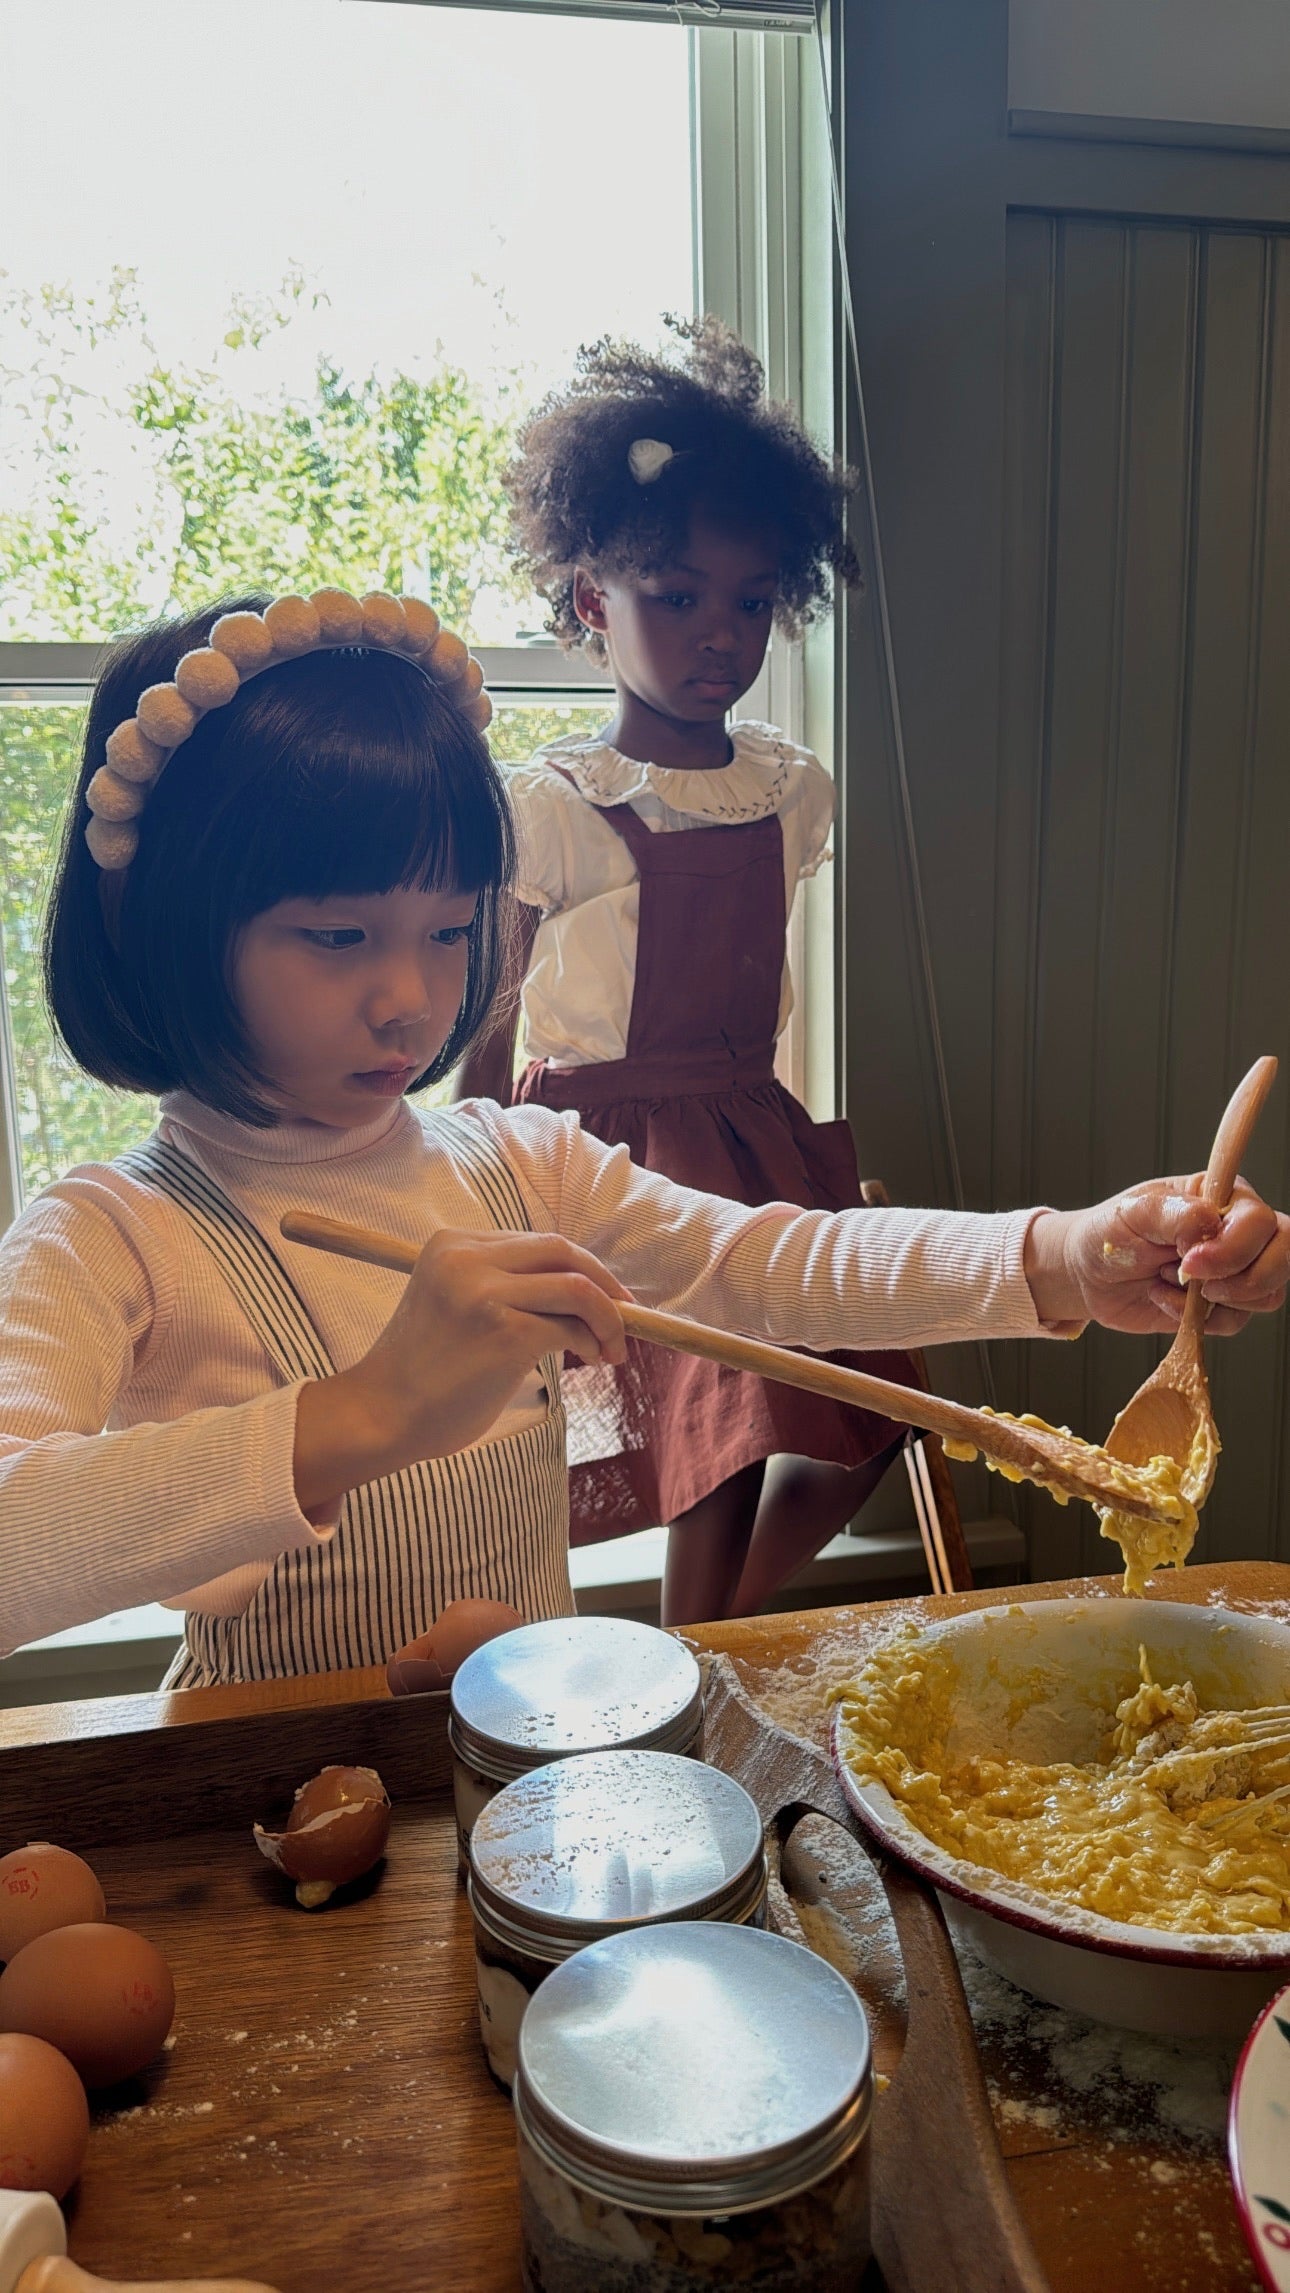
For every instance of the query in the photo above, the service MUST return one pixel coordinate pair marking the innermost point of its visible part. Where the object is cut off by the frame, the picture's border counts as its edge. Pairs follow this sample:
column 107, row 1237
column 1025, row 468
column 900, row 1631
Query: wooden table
column 1114, row 2143
column 324, row 2117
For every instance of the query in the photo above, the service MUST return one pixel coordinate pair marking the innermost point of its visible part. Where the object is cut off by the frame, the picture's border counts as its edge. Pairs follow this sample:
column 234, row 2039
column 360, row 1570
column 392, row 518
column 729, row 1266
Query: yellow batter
column 1146, row 1545
column 1151, row 1834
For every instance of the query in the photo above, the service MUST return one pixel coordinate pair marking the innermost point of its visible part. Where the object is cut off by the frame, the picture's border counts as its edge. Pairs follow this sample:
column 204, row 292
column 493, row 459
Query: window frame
column 753, row 127
column 757, row 124
column 756, row 127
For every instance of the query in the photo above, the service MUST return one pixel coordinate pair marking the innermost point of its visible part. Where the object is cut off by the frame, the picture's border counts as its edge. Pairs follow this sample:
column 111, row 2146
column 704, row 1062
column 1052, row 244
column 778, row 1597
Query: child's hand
column 1124, row 1262
column 478, row 1314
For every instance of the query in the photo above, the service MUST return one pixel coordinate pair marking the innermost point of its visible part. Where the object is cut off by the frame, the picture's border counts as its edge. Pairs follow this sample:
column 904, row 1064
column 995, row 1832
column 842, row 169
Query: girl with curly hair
column 671, row 516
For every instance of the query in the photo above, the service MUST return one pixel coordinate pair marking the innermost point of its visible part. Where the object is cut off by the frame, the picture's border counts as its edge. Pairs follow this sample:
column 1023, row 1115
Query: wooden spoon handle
column 933, row 2128
column 1033, row 1453
column 934, row 2132
column 1224, row 1168
column 1233, row 1133
column 56, row 2274
column 907, row 1404
column 944, row 2216
column 1036, row 1454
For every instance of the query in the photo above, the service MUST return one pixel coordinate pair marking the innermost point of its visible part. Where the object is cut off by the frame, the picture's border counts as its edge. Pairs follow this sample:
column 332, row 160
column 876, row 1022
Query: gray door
column 1077, row 367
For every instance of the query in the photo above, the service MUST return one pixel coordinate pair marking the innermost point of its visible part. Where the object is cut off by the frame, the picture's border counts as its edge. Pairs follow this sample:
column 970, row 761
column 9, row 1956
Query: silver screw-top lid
column 573, row 1684
column 607, row 1840
column 694, row 2069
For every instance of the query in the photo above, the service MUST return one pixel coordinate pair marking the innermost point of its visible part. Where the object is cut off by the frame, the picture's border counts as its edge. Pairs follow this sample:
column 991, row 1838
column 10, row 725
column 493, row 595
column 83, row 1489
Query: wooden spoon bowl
column 1171, row 1414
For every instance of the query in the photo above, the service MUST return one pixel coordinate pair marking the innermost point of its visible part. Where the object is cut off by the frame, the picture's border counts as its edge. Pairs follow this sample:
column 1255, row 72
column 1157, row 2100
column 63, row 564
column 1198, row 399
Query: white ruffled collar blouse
column 750, row 787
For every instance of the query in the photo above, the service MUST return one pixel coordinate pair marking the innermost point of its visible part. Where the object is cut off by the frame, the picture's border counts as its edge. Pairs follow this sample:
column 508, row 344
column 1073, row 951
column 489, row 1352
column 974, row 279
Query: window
column 60, row 1117
column 280, row 329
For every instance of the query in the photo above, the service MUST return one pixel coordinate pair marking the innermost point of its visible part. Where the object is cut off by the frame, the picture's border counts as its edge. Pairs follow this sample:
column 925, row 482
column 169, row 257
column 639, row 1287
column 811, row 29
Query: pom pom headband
column 242, row 646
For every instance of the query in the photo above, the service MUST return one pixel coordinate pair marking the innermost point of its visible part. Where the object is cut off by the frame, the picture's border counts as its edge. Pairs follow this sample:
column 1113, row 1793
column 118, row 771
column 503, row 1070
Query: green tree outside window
column 135, row 488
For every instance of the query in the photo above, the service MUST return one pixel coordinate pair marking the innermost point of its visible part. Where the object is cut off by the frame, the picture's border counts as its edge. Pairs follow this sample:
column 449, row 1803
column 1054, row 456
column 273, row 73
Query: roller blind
column 727, row 15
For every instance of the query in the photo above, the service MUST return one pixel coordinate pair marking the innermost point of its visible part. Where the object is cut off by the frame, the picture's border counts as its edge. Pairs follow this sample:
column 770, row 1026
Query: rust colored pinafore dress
column 696, row 1098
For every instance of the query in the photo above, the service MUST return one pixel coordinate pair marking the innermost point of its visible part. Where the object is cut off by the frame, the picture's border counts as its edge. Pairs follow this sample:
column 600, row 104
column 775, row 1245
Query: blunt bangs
column 344, row 772
column 339, row 773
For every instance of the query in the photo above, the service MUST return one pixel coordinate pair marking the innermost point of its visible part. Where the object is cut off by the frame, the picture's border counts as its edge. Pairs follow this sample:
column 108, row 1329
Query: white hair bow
column 646, row 457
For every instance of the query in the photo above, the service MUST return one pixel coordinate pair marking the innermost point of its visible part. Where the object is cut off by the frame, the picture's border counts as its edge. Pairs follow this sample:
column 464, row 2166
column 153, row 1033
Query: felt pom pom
column 448, row 657
column 131, row 754
column 340, row 617
column 479, row 712
column 112, row 799
column 246, row 641
column 293, row 624
column 207, row 679
column 471, row 680
column 383, row 621
column 423, row 624
column 164, row 715
column 112, row 843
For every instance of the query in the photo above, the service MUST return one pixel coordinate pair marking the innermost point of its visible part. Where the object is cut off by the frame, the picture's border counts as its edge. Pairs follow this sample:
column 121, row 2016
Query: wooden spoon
column 1171, row 1414
column 60, row 2276
column 1057, row 1461
column 944, row 2215
column 33, row 2256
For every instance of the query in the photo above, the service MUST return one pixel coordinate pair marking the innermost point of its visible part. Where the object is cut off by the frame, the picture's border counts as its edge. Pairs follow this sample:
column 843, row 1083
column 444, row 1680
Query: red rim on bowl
column 1266, row 2227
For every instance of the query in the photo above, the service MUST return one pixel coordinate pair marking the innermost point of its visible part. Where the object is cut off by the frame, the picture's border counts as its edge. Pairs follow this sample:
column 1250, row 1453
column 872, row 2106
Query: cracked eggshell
column 337, row 1828
column 42, row 1887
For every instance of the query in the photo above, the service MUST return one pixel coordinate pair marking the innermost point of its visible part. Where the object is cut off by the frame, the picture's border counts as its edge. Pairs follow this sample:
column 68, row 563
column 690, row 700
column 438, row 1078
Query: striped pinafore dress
column 490, row 1522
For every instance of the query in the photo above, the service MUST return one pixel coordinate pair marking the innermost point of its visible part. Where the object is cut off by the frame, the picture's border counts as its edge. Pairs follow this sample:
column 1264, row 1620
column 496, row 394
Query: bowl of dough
column 1100, row 1792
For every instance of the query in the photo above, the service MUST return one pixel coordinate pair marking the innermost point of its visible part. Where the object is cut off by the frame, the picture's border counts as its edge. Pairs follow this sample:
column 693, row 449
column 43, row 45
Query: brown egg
column 102, row 1995
column 337, row 1830
column 463, row 1626
column 43, row 1887
column 44, row 2117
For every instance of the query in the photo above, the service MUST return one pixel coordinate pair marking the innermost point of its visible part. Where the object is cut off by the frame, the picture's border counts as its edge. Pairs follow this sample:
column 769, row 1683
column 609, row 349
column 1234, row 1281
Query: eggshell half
column 102, row 1995
column 44, row 2117
column 42, row 1887
column 463, row 1626
column 337, row 1830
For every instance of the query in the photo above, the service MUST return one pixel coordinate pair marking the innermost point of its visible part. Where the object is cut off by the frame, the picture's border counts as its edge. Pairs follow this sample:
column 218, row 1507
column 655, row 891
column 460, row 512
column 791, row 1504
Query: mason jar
column 594, row 1845
column 570, row 1684
column 693, row 2108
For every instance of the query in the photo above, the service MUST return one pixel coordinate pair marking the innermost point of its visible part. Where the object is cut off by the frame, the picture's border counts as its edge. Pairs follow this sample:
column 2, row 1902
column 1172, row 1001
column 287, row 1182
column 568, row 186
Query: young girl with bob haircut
column 278, row 906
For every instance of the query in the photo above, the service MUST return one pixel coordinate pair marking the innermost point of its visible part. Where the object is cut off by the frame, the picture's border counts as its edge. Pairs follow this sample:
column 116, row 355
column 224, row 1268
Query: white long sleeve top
column 146, row 1440
column 577, row 871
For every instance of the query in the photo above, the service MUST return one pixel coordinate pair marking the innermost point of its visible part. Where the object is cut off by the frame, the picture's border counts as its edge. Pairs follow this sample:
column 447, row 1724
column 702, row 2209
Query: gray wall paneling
column 1077, row 368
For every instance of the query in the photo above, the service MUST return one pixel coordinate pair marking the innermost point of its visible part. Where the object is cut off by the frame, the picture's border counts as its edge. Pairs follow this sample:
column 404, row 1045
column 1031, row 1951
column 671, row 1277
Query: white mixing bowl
column 1040, row 1682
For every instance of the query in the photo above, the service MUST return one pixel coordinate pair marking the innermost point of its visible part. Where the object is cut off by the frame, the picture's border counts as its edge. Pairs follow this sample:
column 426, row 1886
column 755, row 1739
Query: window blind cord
column 889, row 664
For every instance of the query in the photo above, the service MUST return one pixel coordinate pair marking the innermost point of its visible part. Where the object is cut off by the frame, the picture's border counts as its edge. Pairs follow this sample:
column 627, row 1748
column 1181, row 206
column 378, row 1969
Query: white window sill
column 129, row 1651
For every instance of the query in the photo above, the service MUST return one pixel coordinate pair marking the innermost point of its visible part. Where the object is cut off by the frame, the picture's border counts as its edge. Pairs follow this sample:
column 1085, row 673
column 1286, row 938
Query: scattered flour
column 1122, row 2082
column 799, row 1694
column 1050, row 2071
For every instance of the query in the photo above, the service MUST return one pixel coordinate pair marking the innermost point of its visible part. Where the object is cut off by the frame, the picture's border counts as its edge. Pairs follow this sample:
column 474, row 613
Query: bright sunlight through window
column 292, row 273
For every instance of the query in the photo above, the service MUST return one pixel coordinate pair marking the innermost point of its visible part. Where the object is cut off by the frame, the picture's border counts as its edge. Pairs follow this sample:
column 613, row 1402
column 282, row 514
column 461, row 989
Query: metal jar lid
column 694, row 2069
column 573, row 1684
column 609, row 1840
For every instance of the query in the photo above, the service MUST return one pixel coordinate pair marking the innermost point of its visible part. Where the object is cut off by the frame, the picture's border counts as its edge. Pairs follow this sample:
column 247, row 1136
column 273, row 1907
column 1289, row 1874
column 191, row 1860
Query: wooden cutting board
column 325, row 2116
column 1113, row 2144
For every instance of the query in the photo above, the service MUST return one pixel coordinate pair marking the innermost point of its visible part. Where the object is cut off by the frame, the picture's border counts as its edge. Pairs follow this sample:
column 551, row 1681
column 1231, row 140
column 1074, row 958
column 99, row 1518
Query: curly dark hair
column 739, row 459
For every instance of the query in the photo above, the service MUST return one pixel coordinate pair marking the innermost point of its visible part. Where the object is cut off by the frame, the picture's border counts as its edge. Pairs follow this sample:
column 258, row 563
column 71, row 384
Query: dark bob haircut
column 338, row 773
column 739, row 460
